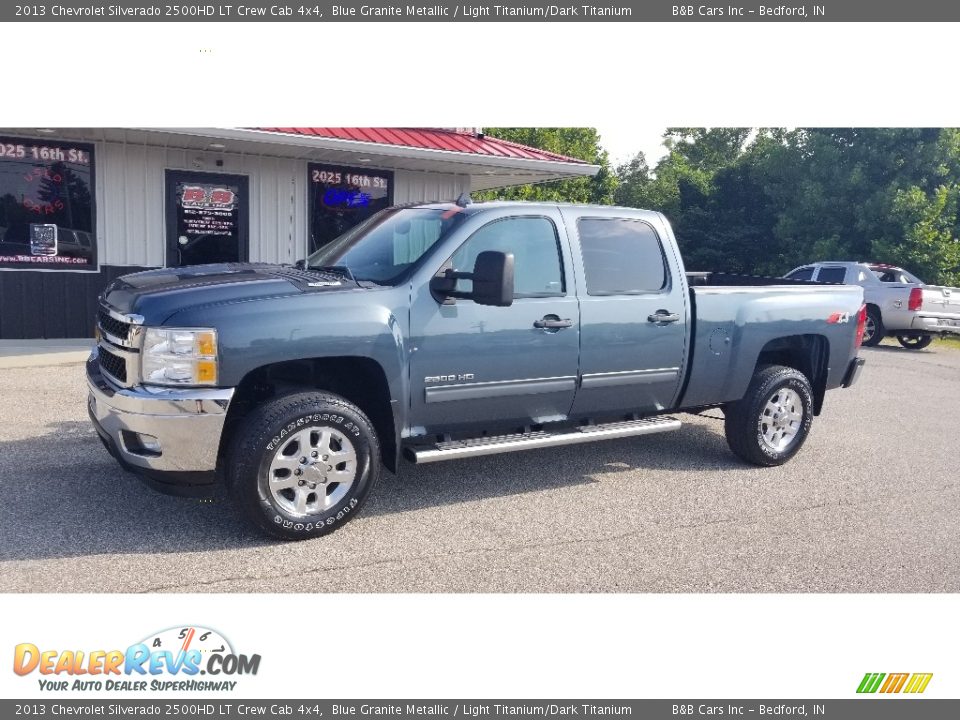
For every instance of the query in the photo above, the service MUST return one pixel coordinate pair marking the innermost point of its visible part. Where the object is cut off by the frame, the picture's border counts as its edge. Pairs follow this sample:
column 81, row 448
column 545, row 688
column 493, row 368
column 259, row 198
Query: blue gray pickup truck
column 445, row 331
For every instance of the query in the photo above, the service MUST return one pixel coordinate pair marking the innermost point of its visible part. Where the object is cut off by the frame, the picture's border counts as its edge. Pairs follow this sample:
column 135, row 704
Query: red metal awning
column 432, row 139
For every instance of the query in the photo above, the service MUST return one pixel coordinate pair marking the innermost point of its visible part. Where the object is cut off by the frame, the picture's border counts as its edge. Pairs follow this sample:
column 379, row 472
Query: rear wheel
column 302, row 465
column 873, row 330
column 914, row 342
column 772, row 421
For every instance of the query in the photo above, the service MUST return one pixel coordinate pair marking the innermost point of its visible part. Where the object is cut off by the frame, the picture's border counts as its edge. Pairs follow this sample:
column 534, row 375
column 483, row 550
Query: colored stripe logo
column 913, row 683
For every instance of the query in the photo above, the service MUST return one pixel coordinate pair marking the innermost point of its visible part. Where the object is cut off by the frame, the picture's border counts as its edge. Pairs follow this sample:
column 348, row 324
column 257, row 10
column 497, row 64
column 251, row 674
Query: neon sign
column 340, row 198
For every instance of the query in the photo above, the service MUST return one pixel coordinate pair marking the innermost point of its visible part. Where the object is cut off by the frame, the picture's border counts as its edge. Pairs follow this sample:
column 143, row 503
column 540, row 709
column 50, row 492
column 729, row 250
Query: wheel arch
column 358, row 379
column 873, row 306
column 809, row 354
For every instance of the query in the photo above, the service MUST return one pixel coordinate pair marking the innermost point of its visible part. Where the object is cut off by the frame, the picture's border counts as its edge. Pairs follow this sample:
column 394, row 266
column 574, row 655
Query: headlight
column 177, row 356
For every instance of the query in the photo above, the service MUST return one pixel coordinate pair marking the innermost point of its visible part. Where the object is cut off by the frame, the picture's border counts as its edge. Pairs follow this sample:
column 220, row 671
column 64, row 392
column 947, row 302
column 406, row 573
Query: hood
column 157, row 294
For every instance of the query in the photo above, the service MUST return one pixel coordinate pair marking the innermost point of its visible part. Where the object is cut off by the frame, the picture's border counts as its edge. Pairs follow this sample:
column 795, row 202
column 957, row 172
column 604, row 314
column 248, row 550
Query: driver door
column 477, row 367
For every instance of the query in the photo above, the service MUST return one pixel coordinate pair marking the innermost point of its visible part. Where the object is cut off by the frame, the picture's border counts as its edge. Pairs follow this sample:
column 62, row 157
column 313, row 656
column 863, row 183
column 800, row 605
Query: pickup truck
column 443, row 331
column 899, row 304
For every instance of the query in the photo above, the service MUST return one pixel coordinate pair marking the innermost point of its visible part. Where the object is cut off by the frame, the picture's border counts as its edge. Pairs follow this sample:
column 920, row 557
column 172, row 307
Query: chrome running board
column 493, row 445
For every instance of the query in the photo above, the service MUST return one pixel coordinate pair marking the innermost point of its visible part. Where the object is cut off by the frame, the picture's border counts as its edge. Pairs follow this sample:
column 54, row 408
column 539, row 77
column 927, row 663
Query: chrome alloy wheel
column 312, row 471
column 869, row 329
column 781, row 419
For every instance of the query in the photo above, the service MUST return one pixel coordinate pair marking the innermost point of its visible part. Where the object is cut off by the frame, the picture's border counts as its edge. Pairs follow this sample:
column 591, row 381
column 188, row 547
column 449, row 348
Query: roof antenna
column 464, row 200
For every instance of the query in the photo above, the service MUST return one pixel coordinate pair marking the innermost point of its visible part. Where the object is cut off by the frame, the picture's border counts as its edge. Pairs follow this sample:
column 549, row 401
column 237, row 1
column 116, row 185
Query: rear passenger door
column 633, row 315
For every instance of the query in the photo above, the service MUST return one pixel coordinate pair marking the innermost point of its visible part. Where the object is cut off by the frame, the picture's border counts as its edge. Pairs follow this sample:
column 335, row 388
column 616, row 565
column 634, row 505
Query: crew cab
column 443, row 331
column 899, row 304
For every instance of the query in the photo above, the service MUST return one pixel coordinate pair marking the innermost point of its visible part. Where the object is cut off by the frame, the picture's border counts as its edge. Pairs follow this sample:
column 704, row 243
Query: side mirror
column 493, row 279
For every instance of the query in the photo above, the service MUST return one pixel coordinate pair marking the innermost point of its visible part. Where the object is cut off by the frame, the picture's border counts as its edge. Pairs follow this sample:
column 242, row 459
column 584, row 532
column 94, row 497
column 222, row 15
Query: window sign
column 208, row 221
column 47, row 205
column 342, row 197
column 208, row 209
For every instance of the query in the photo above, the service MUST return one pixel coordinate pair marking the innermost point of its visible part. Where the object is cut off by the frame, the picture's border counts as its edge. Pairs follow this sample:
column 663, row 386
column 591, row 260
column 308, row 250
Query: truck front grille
column 113, row 365
column 112, row 326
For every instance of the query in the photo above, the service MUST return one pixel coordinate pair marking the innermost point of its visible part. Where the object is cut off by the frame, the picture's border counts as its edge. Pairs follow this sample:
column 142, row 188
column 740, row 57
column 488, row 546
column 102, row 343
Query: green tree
column 712, row 195
column 633, row 181
column 883, row 194
column 582, row 143
column 767, row 200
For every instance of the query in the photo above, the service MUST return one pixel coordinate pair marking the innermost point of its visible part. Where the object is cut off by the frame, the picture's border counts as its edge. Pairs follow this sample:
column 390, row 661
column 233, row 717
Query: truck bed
column 733, row 323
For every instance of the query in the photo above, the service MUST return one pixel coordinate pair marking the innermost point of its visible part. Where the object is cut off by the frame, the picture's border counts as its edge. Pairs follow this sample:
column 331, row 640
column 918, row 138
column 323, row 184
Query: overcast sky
column 622, row 142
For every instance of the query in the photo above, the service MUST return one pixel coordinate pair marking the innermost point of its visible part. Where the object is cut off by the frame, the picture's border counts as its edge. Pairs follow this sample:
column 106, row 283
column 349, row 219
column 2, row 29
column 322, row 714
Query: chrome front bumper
column 185, row 425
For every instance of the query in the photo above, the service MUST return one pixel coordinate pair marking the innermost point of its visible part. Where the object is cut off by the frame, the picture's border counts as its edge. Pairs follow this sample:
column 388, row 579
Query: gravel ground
column 869, row 505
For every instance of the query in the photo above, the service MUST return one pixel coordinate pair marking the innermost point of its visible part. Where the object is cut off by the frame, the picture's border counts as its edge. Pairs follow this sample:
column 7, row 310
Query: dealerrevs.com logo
column 172, row 659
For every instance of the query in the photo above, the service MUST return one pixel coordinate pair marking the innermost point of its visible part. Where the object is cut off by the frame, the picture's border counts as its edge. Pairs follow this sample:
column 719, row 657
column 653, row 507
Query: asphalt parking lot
column 870, row 505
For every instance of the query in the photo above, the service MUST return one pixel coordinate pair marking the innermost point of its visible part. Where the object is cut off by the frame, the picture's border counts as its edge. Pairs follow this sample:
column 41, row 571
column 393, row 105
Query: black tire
column 914, row 342
column 746, row 420
column 876, row 322
column 268, row 433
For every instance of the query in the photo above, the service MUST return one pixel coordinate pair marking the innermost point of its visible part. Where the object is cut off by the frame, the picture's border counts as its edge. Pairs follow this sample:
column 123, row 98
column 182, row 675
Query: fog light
column 149, row 442
column 141, row 444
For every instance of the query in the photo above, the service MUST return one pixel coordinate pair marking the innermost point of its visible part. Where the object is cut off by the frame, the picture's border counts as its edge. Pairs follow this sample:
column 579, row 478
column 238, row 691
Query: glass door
column 207, row 218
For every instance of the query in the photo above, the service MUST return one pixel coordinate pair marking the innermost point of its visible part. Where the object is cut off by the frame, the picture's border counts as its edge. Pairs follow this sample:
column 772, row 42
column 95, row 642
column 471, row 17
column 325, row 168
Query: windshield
column 382, row 248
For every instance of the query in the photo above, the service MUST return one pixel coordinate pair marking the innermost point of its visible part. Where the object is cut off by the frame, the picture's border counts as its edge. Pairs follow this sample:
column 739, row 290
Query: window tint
column 801, row 274
column 831, row 274
column 385, row 246
column 532, row 240
column 621, row 256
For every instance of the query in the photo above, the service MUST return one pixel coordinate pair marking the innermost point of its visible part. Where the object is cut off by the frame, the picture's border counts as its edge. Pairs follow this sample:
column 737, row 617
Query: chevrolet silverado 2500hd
column 444, row 331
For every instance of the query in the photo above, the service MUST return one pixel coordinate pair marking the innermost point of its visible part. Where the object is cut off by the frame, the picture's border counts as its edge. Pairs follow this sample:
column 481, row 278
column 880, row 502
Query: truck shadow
column 64, row 496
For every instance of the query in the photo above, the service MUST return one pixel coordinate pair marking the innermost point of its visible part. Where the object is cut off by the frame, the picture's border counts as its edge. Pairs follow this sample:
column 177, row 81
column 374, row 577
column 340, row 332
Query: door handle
column 662, row 316
column 552, row 322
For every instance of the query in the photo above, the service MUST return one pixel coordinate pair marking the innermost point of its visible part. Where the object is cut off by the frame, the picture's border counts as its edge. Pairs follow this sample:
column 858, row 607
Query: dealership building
column 80, row 207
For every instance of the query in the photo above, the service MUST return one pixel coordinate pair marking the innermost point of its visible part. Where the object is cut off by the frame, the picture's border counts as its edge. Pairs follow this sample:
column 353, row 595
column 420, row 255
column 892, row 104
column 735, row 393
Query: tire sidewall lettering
column 307, row 527
column 314, row 418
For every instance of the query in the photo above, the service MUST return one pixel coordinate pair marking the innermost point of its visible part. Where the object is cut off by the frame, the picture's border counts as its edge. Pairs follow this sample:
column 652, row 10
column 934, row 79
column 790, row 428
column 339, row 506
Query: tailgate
column 941, row 302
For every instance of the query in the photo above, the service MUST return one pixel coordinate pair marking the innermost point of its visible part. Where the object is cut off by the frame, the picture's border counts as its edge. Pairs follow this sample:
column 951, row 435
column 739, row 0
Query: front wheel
column 770, row 424
column 914, row 342
column 302, row 465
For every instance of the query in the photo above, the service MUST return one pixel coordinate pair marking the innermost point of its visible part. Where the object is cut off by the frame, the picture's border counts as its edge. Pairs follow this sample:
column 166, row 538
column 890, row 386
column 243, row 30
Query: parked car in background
column 899, row 304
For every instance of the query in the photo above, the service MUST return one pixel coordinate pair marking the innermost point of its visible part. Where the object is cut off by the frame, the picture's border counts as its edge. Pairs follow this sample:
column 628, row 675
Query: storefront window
column 47, row 205
column 342, row 197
